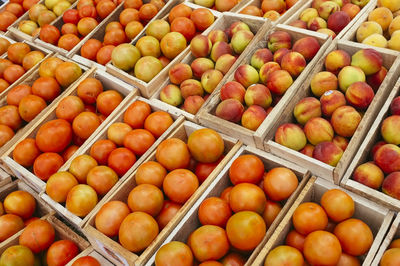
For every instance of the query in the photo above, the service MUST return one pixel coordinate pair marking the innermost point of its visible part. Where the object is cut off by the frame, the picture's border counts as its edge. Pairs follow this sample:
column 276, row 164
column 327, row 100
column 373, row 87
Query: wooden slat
column 92, row 253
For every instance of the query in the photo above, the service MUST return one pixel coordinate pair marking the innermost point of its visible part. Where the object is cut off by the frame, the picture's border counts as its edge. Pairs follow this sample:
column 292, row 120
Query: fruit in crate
column 257, row 86
column 219, row 5
column 12, row 11
column 271, row 9
column 239, row 218
column 214, row 56
column 333, row 111
column 311, row 239
column 391, row 255
column 163, row 41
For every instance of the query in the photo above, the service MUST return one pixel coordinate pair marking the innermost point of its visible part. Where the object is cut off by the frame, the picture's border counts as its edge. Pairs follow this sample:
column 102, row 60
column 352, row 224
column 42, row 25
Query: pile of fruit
column 162, row 42
column 271, row 9
column 261, row 84
column 171, row 181
column 324, row 234
column 325, row 124
column 329, row 17
column 214, row 56
column 13, row 10
column 382, row 29
column 220, row 5
column 392, row 254
column 4, row 44
column 237, row 220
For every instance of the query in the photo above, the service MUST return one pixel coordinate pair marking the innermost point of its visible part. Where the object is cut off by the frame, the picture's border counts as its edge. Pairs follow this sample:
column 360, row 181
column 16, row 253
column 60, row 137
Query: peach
column 234, row 90
column 205, row 3
column 345, row 120
column 368, row 28
column 291, row 136
column 272, row 15
column 210, row 80
column 252, row 10
column 382, row 15
column 266, row 69
column 172, row 44
column 336, row 60
column 395, row 106
column 125, row 56
column 200, row 46
column 390, row 129
column 387, row 157
column 217, row 36
column 318, row 130
column 201, row 65
column 179, row 73
column 307, row 46
column 393, row 5
column 27, row 27
column 294, row 63
column 327, row 8
column 253, row 117
column 328, row 32
column 298, row 24
column 308, row 150
column 158, row 28
column 376, row 147
column 224, row 63
column 338, row 21
column 278, row 55
column 316, row 24
column 322, row 82
column 360, row 95
column 276, row 5
column 147, row 68
column 279, row 39
column 171, row 94
column 369, row 60
column 391, row 185
column 348, row 75
column 193, row 104
column 164, row 61
column 316, row 3
column 306, row 109
column 351, row 10
column 240, row 40
column 260, row 57
column 258, row 94
column 375, row 80
column 230, row 109
column 235, row 27
column 308, row 14
column 369, row 174
column 219, row 49
column 394, row 25
column 328, row 153
column 341, row 142
column 246, row 75
column 330, row 101
column 376, row 40
column 224, row 5
column 191, row 87
column 394, row 42
column 279, row 81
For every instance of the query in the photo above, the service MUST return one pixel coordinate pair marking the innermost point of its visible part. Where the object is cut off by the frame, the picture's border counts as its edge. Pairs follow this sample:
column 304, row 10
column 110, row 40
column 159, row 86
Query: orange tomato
column 180, row 10
column 102, row 179
column 20, row 203
column 37, row 236
column 15, row 95
column 121, row 160
column 174, row 253
column 158, row 122
column 6, row 134
column 54, row 136
column 146, row 198
column 391, row 257
column 107, row 101
column 322, row 248
column 139, row 141
column 69, row 108
column 247, row 197
column 206, row 145
column 47, row 164
column 101, row 149
column 246, row 169
column 61, row 252
column 309, row 217
column 173, row 153
column 167, row 213
column 117, row 132
column 347, row 260
column 110, row 216
column 214, row 211
column 151, row 173
column 280, row 183
column 179, row 185
column 30, row 106
column 136, row 114
column 86, row 261
column 80, row 167
column 26, row 152
column 85, row 124
column 284, row 255
column 272, row 210
column 338, row 205
column 59, row 184
column 9, row 116
column 296, row 240
column 89, row 89
column 90, row 48
column 147, row 12
column 81, row 200
column 10, row 224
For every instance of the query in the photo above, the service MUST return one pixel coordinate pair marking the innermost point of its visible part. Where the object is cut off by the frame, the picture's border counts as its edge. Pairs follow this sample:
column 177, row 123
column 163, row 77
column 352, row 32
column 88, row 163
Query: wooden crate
column 283, row 18
column 190, row 221
column 257, row 26
column 317, row 167
column 393, row 233
column 147, row 89
column 378, row 218
column 362, row 156
column 99, row 33
column 349, row 26
column 85, row 149
column 62, row 232
column 108, row 82
column 112, row 250
column 91, row 252
column 2, row 9
column 206, row 116
column 237, row 7
column 5, row 178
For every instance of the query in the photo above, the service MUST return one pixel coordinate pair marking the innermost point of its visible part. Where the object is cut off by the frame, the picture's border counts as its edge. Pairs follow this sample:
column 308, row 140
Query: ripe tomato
column 214, row 211
column 271, row 211
column 50, row 34
column 90, row 48
column 167, row 213
column 6, row 19
column 54, row 136
column 87, row 11
column 206, row 145
column 136, row 114
column 48, row 67
column 10, row 224
column 4, row 44
column 114, row 37
column 9, row 116
column 338, row 205
column 117, row 132
column 247, row 197
column 246, row 169
column 128, row 15
column 46, row 88
column 69, row 28
column 47, row 164
column 107, row 101
column 136, row 4
column 391, row 257
column 296, row 240
column 322, row 248
column 110, row 216
column 85, row 124
column 394, row 244
column 31, row 59
column 13, row 73
column 3, row 85
column 173, row 153
column 284, row 255
column 121, row 160
column 17, row 51
column 71, row 16
column 104, row 8
column 61, row 252
column 89, row 89
column 146, row 198
column 69, row 152
column 202, row 18
column 102, row 179
column 4, row 63
column 83, row 3
column 80, row 167
column 158, row 122
column 151, row 173
column 139, row 141
column 147, row 12
column 69, row 108
column 68, row 41
column 101, row 149
column 15, row 8
column 180, row 10
column 184, row 26
column 179, row 185
column 309, row 217
column 137, row 231
column 280, row 183
column 26, row 152
column 37, row 236
column 30, row 106
column 30, row 220
column 15, row 95
column 203, row 170
column 67, row 73
column 6, row 133
column 347, row 260
column 226, row 193
column 113, row 25
column 59, row 184
column 174, row 253
column 81, row 200
column 86, row 261
column 233, row 259
column 17, row 255
column 104, row 54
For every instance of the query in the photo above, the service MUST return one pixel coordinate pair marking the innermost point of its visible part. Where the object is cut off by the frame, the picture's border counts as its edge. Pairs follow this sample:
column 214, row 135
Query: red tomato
column 246, row 168
column 26, row 152
column 71, row 16
column 101, row 150
column 54, row 136
column 121, row 160
column 37, row 236
column 110, row 216
column 214, row 211
column 167, row 213
column 139, row 141
column 47, row 164
column 136, row 114
column 61, row 252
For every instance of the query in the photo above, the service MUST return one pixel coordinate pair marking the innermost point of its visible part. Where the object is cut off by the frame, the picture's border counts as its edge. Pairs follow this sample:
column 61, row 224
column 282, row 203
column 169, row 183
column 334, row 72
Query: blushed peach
column 234, row 90
column 360, row 95
column 217, row 36
column 351, row 10
column 328, row 153
column 387, row 157
column 369, row 174
column 345, row 120
column 307, row 46
column 279, row 39
column 260, row 57
column 338, row 21
column 224, row 63
column 230, row 109
column 308, row 150
column 240, row 40
column 258, row 94
column 294, row 63
column 316, row 24
column 200, row 46
column 279, row 81
column 253, row 117
column 235, row 27
column 191, row 87
column 322, row 82
column 246, row 75
column 341, row 142
column 219, row 49
column 201, row 65
column 369, row 60
column 278, row 55
column 291, row 136
column 336, row 60
column 330, row 101
column 193, row 104
column 179, row 73
column 318, row 130
column 298, row 24
column 391, row 185
column 210, row 80
column 349, row 75
column 171, row 94
column 375, row 80
column 266, row 69
column 306, row 109
column 390, row 128
column 395, row 106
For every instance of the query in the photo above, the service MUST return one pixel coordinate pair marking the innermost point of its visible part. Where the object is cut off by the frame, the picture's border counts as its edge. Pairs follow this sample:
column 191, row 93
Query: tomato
column 6, row 133
column 4, row 63
column 102, row 179
column 167, row 213
column 4, row 44
column 202, row 18
column 233, row 259
column 15, row 8
column 139, row 141
column 69, row 28
column 121, row 160
column 280, row 183
column 137, row 231
column 9, row 116
column 347, row 260
column 180, row 10
column 309, row 217
column 136, row 4
column 31, row 59
column 13, row 73
column 158, row 122
column 47, row 164
column 247, row 197
column 26, row 152
column 338, row 205
column 69, row 152
column 117, row 132
column 50, row 34
column 71, row 16
column 89, row 89
column 296, row 240
column 203, row 170
column 10, row 224
column 246, row 169
column 173, row 153
column 146, row 198
column 128, row 15
column 136, row 114
column 174, row 253
column 355, row 236
column 151, row 173
column 54, row 136
column 85, row 124
column 86, row 25
column 90, row 48
column 30, row 220
column 46, row 88
column 69, row 108
column 107, row 101
column 68, row 41
column 147, row 12
column 17, row 255
column 80, row 167
column 87, row 11
column 81, row 200
column 114, row 25
column 101, row 150
column 17, row 51
column 48, row 67
column 284, row 255
column 86, row 261
column 37, row 236
column 322, row 248
column 184, row 26
column 6, row 19
column 179, row 185
column 15, row 95
column 114, row 37
column 30, row 106
column 59, row 184
column 61, row 252
column 391, row 257
column 3, row 85
column 83, row 3
column 104, row 8
column 67, row 73
column 214, row 211
column 395, row 243
column 104, row 54
column 110, row 216
column 272, row 210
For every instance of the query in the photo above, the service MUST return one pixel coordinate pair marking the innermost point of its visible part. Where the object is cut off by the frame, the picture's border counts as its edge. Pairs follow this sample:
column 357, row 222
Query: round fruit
column 61, row 252
column 101, row 149
column 284, row 255
column 89, row 89
column 214, row 211
column 101, row 179
column 17, row 255
column 47, row 164
column 180, row 184
column 158, row 122
column 206, row 145
column 10, row 224
column 247, row 197
column 280, row 183
column 174, row 253
column 322, row 248
column 37, row 236
column 246, row 169
column 139, row 141
column 54, row 136
column 26, row 152
column 173, row 153
column 146, row 198
column 81, row 200
column 109, row 218
column 309, row 217
column 338, row 205
column 151, row 173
